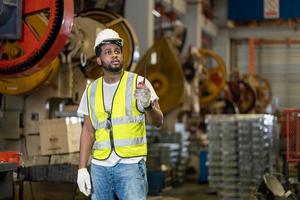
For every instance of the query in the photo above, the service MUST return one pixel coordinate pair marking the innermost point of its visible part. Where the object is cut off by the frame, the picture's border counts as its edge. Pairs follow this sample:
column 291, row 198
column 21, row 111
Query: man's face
column 111, row 57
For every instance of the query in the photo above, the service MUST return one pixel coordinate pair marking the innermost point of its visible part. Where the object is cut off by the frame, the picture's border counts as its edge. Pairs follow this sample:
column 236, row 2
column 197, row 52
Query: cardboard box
column 49, row 190
column 33, row 146
column 60, row 135
column 70, row 108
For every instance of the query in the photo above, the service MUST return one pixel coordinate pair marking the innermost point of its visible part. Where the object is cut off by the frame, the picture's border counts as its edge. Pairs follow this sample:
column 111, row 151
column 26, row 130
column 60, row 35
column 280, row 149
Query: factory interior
column 226, row 73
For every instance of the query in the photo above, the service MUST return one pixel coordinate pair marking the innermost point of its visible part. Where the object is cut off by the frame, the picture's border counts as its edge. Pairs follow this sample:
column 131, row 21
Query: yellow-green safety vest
column 123, row 130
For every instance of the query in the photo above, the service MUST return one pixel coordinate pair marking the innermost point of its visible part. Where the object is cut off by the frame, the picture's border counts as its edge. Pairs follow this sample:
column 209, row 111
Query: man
column 114, row 108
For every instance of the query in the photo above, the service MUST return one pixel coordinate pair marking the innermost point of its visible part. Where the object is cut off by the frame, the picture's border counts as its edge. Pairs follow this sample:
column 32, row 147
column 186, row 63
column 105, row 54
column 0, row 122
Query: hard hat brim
column 118, row 42
column 115, row 41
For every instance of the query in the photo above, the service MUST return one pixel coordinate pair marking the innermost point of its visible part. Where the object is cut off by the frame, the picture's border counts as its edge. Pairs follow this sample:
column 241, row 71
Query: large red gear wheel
column 36, row 53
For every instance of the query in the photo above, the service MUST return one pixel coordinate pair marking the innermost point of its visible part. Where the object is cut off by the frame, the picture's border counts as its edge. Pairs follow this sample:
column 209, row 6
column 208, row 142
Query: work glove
column 143, row 95
column 84, row 181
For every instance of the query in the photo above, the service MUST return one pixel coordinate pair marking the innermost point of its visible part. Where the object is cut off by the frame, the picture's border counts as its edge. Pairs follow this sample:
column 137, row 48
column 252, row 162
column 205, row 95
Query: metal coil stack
column 230, row 173
column 239, row 153
column 169, row 152
column 179, row 142
column 245, row 156
column 214, row 158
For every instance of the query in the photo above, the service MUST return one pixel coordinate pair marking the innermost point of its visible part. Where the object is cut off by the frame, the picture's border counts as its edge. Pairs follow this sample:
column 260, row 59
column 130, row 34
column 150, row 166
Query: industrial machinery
column 31, row 61
column 262, row 89
column 26, row 84
column 32, row 52
column 49, row 29
column 213, row 77
column 10, row 19
column 164, row 72
column 240, row 93
column 274, row 186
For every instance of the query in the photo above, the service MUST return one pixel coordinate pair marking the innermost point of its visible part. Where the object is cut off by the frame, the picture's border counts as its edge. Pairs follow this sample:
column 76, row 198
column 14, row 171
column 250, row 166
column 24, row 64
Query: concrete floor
column 187, row 191
column 57, row 191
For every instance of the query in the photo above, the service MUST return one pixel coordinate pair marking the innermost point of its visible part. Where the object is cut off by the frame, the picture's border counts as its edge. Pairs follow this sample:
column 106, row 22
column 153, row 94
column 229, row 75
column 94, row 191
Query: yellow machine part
column 263, row 91
column 23, row 85
column 93, row 21
column 165, row 75
column 213, row 76
column 16, row 86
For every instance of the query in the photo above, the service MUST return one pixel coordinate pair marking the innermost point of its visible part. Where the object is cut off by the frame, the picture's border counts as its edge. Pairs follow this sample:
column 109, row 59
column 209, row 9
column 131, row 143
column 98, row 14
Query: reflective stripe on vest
column 127, row 123
column 95, row 122
column 120, row 143
column 120, row 120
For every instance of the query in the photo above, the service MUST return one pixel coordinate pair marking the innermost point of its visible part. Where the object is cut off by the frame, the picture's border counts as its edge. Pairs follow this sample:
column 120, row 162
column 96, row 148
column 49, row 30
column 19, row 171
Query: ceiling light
column 155, row 13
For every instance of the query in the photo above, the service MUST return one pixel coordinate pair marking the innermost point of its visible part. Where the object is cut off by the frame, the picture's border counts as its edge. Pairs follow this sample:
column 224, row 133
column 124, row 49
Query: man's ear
column 99, row 61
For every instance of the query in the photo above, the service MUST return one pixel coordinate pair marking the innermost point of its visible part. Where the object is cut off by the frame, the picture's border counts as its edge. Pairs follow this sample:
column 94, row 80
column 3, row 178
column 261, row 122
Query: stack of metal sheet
column 230, row 173
column 181, row 139
column 182, row 154
column 169, row 151
column 214, row 158
column 153, row 158
column 245, row 155
column 245, row 143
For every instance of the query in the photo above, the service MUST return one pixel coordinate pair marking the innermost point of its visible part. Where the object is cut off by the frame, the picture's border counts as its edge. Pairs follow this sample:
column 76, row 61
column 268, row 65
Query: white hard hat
column 108, row 36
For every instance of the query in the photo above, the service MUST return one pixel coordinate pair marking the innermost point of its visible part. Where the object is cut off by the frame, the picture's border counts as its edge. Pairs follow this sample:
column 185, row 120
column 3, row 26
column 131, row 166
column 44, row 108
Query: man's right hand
column 84, row 181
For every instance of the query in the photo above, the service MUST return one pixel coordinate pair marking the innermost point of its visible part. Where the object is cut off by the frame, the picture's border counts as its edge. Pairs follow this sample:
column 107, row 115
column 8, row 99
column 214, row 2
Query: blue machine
column 246, row 10
column 10, row 19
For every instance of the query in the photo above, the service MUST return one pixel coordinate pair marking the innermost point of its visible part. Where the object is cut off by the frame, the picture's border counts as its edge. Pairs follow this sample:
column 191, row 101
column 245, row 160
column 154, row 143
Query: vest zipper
column 109, row 113
column 111, row 137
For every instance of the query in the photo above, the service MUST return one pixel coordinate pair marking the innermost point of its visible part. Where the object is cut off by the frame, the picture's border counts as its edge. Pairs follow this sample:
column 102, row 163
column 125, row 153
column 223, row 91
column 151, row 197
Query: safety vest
column 123, row 130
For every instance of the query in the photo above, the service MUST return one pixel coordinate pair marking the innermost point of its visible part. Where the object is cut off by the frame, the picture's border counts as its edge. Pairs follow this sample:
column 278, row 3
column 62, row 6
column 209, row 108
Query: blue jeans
column 126, row 181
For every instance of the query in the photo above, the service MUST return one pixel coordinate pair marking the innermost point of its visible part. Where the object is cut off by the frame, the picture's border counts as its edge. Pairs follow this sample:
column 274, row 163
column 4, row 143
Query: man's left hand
column 143, row 95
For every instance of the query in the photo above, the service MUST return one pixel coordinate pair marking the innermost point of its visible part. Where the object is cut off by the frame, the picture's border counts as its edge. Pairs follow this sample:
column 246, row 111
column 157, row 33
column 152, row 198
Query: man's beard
column 110, row 68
